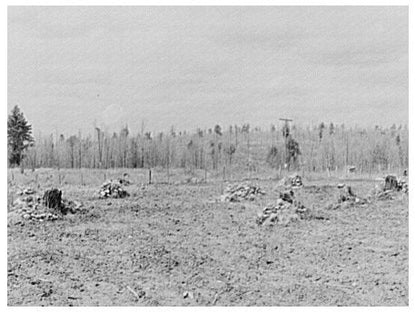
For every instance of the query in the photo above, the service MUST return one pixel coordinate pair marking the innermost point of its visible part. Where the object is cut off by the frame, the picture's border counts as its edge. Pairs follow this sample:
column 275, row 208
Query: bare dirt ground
column 175, row 245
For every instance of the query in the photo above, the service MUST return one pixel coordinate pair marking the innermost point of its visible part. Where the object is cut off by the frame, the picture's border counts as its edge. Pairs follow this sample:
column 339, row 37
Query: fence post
column 150, row 176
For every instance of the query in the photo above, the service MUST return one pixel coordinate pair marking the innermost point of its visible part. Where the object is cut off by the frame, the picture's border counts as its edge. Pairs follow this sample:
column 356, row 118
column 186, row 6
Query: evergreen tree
column 293, row 151
column 19, row 136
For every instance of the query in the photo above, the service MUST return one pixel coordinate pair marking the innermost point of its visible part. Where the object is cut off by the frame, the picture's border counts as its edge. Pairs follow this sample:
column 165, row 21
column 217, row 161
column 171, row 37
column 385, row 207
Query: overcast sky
column 69, row 67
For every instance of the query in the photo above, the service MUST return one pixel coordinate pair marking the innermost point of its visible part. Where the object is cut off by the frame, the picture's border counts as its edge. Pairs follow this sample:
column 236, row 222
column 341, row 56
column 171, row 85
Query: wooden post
column 223, row 173
column 150, row 176
column 205, row 167
column 168, row 160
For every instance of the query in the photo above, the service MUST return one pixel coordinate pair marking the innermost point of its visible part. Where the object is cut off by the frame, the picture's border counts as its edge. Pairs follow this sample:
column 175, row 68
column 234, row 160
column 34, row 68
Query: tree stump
column 53, row 199
column 390, row 183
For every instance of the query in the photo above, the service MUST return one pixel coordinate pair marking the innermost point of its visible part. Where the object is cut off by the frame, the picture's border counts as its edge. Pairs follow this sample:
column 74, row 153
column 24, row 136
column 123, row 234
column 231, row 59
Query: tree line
column 238, row 147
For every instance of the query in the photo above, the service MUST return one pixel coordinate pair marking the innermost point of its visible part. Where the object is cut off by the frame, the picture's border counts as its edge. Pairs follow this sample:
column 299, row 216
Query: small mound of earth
column 236, row 193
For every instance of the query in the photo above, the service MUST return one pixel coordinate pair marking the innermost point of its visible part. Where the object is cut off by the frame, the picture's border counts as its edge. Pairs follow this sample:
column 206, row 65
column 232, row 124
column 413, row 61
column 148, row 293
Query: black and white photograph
column 207, row 155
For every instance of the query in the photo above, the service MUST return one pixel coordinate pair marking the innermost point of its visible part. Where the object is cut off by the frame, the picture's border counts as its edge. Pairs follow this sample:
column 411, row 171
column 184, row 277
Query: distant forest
column 320, row 148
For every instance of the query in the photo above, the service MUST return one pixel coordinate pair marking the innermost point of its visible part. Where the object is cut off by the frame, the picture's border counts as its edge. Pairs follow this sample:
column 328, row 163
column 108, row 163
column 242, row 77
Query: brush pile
column 113, row 189
column 286, row 210
column 239, row 192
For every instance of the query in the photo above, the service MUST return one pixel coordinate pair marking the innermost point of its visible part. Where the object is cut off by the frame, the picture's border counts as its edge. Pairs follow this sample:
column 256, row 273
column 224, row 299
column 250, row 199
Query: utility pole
column 286, row 133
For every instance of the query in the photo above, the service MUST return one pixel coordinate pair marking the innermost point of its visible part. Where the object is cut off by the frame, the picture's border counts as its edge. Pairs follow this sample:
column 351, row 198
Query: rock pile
column 392, row 183
column 113, row 189
column 390, row 186
column 50, row 207
column 380, row 194
column 29, row 206
column 236, row 193
column 389, row 189
column 123, row 181
column 286, row 210
column 403, row 185
column 293, row 181
column 347, row 198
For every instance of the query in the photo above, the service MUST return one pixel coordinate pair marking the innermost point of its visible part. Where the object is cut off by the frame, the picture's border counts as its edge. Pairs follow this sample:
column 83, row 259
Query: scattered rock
column 27, row 191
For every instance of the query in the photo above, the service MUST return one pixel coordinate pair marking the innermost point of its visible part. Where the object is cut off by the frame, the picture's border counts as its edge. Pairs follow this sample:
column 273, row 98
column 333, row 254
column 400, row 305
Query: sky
column 70, row 68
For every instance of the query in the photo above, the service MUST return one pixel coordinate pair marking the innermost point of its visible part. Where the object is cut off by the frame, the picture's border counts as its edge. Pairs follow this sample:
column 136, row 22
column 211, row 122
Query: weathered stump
column 53, row 199
column 346, row 194
column 391, row 183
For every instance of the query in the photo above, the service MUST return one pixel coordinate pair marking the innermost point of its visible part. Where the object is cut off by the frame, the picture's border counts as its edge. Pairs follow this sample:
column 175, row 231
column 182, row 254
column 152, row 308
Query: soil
column 179, row 245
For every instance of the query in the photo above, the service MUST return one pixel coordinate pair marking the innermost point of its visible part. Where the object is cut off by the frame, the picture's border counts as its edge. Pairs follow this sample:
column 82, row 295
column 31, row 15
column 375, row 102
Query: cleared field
column 176, row 245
